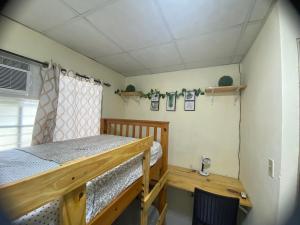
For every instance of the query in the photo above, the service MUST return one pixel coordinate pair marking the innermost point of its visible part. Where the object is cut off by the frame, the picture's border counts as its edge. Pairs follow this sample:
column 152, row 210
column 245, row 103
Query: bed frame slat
column 140, row 131
column 133, row 131
column 127, row 130
column 155, row 134
column 116, row 128
column 108, row 127
column 121, row 129
column 163, row 138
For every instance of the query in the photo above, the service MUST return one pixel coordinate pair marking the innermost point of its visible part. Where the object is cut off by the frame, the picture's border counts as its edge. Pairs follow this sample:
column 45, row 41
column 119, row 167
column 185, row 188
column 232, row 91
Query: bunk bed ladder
column 147, row 197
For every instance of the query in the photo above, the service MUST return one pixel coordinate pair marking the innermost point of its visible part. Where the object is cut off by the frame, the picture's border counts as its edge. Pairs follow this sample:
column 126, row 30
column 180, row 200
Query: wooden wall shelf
column 131, row 94
column 227, row 89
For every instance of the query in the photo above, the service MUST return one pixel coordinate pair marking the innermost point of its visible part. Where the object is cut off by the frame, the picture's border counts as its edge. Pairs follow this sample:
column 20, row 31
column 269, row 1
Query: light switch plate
column 271, row 168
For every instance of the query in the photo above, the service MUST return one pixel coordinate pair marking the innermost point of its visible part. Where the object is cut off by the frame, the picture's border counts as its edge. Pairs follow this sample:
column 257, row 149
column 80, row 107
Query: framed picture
column 155, row 98
column 189, row 105
column 171, row 102
column 154, row 106
column 189, row 96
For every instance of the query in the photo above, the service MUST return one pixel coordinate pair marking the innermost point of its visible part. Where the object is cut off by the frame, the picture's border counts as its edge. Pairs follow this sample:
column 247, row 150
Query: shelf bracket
column 237, row 95
column 212, row 99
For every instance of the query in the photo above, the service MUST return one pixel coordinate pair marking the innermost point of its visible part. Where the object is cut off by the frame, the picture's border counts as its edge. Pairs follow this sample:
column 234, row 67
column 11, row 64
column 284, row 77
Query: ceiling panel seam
column 244, row 27
column 169, row 30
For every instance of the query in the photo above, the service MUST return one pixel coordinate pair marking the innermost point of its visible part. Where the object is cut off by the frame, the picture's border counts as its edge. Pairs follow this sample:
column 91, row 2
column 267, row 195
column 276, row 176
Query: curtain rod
column 46, row 64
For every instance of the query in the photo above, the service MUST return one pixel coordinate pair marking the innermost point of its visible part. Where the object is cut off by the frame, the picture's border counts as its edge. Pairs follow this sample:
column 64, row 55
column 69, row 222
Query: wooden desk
column 188, row 180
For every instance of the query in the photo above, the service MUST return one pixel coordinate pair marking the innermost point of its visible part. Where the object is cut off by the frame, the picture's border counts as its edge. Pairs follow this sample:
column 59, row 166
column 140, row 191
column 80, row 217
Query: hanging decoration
column 154, row 95
column 171, row 101
column 189, row 100
column 155, row 102
column 163, row 95
column 153, row 92
column 184, row 90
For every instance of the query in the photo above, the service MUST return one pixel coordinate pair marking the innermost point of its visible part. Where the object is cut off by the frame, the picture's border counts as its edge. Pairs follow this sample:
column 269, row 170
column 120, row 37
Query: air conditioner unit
column 15, row 76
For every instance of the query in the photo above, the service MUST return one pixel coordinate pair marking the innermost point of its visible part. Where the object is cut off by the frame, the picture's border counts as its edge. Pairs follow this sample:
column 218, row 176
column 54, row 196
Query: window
column 16, row 122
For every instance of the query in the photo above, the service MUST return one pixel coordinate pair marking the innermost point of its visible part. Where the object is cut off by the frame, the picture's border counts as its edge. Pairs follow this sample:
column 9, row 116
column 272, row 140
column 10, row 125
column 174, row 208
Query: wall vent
column 14, row 76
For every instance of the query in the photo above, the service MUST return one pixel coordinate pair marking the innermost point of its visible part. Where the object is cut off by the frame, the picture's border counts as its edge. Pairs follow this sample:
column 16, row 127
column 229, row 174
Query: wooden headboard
column 139, row 129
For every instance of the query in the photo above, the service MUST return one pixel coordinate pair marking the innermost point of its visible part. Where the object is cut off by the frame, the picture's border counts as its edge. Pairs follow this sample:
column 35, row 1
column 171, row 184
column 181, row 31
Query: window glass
column 16, row 122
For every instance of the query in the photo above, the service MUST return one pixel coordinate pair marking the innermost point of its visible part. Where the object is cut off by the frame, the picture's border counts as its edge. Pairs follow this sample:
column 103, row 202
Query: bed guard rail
column 68, row 182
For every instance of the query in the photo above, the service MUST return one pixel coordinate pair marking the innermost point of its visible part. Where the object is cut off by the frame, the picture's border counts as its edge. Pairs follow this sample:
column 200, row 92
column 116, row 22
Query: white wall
column 270, row 119
column 289, row 32
column 261, row 122
column 19, row 39
column 212, row 130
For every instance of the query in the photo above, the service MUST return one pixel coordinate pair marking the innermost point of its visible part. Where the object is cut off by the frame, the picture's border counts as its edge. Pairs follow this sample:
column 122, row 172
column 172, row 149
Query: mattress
column 19, row 163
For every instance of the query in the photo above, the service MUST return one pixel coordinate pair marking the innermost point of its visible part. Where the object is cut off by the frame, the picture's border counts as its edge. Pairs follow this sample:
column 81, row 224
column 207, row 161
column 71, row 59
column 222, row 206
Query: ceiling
column 135, row 37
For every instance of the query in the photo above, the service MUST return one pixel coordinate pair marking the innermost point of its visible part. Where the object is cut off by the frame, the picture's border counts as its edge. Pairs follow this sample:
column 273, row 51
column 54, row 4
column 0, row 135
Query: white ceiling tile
column 167, row 69
column 261, row 9
column 133, row 24
column 188, row 18
column 122, row 63
column 82, row 6
column 38, row 14
column 74, row 35
column 209, row 46
column 248, row 37
column 137, row 73
column 158, row 56
column 209, row 62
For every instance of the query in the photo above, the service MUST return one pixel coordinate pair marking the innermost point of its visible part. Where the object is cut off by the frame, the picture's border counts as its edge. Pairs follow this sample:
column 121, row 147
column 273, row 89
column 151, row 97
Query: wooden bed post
column 145, row 186
column 103, row 126
column 164, row 144
column 162, row 207
column 73, row 209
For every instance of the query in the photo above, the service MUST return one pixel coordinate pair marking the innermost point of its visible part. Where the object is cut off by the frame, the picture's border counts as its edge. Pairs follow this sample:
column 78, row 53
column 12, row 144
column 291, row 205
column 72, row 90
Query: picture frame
column 171, row 101
column 154, row 102
column 189, row 105
column 155, row 98
column 190, row 96
column 154, row 106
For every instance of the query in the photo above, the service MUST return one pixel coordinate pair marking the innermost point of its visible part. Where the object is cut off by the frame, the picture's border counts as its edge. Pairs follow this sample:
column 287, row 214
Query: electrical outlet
column 271, row 168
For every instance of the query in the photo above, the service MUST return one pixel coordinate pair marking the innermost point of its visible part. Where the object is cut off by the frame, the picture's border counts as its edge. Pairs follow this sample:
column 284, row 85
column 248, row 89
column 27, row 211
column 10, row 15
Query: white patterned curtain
column 79, row 108
column 46, row 114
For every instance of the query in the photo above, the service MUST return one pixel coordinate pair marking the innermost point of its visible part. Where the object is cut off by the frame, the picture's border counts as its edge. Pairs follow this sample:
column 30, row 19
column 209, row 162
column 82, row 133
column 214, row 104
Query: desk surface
column 188, row 180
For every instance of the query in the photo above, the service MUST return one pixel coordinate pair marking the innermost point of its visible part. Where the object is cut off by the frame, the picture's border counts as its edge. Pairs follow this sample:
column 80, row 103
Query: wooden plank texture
column 127, row 130
column 145, row 186
column 30, row 193
column 162, row 215
column 188, row 180
column 115, row 128
column 149, row 198
column 140, row 131
column 155, row 134
column 73, row 208
column 133, row 131
column 212, row 90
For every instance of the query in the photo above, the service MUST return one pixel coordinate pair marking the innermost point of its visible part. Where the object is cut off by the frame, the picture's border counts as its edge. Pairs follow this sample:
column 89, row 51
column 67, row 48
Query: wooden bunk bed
column 68, row 181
